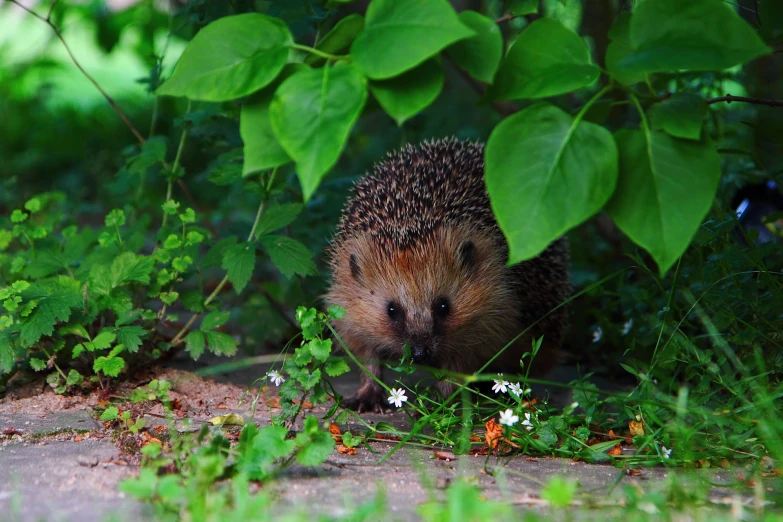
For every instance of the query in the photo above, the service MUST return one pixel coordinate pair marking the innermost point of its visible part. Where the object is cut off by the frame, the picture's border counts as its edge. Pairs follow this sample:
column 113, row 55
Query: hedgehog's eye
column 393, row 309
column 441, row 308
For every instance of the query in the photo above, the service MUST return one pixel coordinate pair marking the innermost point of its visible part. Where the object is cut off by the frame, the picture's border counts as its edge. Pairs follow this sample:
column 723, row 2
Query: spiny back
column 416, row 191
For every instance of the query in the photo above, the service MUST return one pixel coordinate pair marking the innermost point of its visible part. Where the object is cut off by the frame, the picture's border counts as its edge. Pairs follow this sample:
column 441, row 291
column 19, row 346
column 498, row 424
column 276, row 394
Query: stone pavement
column 63, row 466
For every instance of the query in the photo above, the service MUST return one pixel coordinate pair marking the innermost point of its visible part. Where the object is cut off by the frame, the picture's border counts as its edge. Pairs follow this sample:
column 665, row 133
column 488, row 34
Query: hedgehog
column 418, row 259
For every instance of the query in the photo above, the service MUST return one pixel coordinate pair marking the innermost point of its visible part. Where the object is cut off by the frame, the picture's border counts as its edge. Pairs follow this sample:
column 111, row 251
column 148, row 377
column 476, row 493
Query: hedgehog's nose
column 420, row 353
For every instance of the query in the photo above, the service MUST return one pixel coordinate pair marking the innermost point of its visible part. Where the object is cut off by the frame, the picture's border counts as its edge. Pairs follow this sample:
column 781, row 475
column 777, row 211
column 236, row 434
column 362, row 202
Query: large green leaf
column 312, row 114
column 406, row 95
column 239, row 262
column 681, row 115
column 665, row 188
column 545, row 60
column 262, row 150
column 696, row 35
column 619, row 48
column 339, row 38
column 478, row 55
column 289, row 255
column 400, row 34
column 230, row 58
column 546, row 173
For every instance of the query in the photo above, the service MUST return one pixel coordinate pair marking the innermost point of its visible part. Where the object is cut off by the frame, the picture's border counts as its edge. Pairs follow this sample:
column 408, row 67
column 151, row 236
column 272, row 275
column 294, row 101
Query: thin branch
column 87, row 75
column 756, row 101
column 507, row 18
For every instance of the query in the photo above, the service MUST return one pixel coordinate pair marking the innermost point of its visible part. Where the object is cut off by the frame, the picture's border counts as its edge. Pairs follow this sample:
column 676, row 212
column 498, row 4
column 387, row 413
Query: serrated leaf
column 130, row 337
column 194, row 344
column 131, row 268
column 321, row 349
column 74, row 378
column 110, row 413
column 398, row 35
column 230, row 58
column 681, row 115
column 314, row 449
column 111, row 366
column 697, row 35
column 215, row 255
column 289, row 256
column 239, row 261
column 220, row 343
column 308, row 380
column 37, row 364
column 277, row 217
column 479, row 55
column 404, row 96
column 312, row 114
column 665, row 188
column 55, row 299
column 7, row 355
column 546, row 59
column 559, row 170
column 103, row 340
column 215, row 319
column 336, row 368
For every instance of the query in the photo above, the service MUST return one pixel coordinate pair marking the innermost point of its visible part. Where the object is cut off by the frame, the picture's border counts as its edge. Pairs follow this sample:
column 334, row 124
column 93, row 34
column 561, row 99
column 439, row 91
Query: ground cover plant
column 192, row 214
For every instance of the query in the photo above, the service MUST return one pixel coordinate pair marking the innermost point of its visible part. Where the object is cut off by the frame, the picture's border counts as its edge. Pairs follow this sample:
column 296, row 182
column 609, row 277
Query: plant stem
column 756, row 101
column 319, row 53
column 211, row 297
column 174, row 167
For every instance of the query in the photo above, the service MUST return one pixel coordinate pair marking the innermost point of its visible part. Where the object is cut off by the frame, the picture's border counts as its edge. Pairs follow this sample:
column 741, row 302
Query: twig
column 87, row 75
column 507, row 18
column 756, row 101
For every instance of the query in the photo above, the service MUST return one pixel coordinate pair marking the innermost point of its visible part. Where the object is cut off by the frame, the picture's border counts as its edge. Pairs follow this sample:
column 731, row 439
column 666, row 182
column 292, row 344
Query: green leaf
column 522, row 7
column 680, row 115
column 619, row 48
column 131, row 268
column 110, row 413
column 74, row 378
column 230, row 58
column 404, row 96
column 220, row 343
column 336, row 368
column 172, row 242
column 697, row 35
column 308, row 380
column 339, row 38
column 33, row 205
column 110, row 366
column 239, row 261
column 17, row 216
column 259, row 449
column 559, row 170
column 214, row 320
column 194, row 343
column 665, row 188
column 262, row 150
column 115, row 218
column 545, row 60
column 314, row 449
column 336, row 312
column 479, row 55
column 321, row 349
column 153, row 151
column 103, row 340
column 37, row 364
column 130, row 337
column 289, row 256
column 398, row 35
column 277, row 217
column 559, row 492
column 55, row 299
column 215, row 255
column 312, row 114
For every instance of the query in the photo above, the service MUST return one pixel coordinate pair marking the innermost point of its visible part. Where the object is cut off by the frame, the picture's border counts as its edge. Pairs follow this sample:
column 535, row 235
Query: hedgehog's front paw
column 366, row 401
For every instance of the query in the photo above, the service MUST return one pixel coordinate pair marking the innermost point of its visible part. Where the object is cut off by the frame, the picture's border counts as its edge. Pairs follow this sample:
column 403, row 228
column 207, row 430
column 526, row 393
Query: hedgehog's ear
column 356, row 272
column 467, row 254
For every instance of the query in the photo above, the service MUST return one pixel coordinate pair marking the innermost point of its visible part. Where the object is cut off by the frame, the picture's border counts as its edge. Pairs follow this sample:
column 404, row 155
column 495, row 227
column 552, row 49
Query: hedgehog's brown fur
column 419, row 231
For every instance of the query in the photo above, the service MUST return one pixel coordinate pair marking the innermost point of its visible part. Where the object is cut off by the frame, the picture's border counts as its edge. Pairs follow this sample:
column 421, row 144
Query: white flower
column 666, row 452
column 515, row 388
column 397, row 397
column 526, row 423
column 508, row 418
column 500, row 385
column 275, row 377
column 574, row 405
column 627, row 326
column 597, row 334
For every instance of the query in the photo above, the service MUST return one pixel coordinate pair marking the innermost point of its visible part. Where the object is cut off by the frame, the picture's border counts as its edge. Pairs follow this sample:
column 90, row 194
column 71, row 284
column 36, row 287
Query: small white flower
column 515, row 388
column 397, row 397
column 275, row 377
column 597, row 334
column 508, row 418
column 526, row 423
column 666, row 452
column 627, row 326
column 500, row 384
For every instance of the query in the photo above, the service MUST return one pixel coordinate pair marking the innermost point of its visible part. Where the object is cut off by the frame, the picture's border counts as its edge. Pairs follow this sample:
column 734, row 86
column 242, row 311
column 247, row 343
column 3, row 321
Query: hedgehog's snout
column 420, row 352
